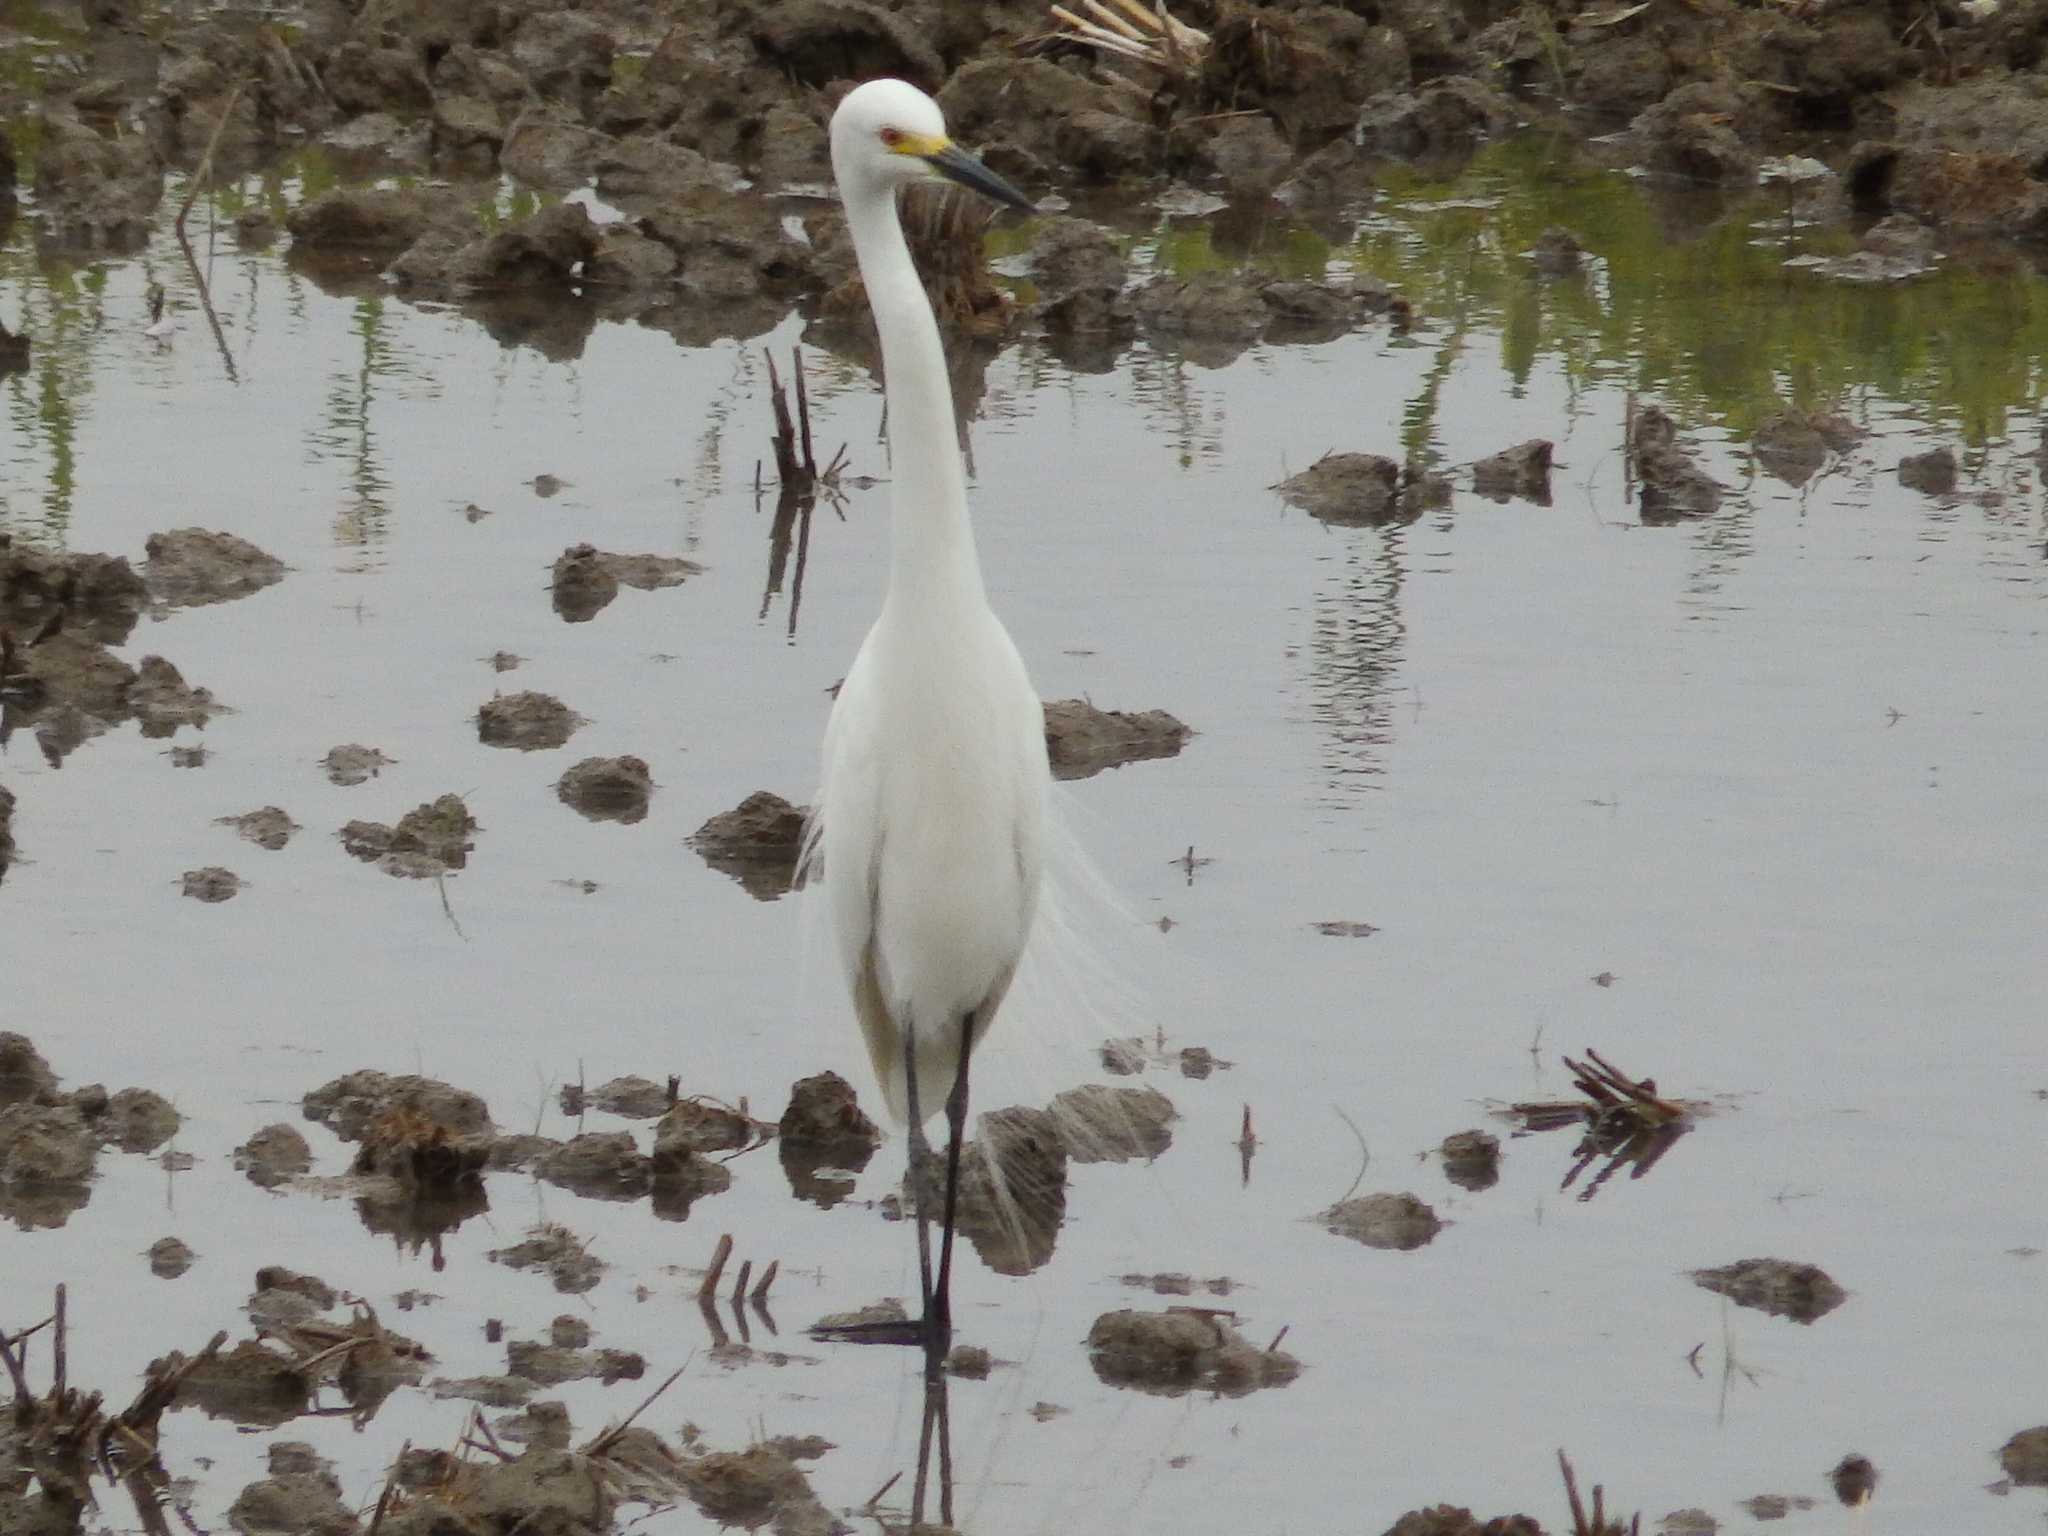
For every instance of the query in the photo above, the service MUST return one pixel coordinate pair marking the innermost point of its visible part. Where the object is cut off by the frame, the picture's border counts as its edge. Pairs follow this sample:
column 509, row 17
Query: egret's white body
column 932, row 807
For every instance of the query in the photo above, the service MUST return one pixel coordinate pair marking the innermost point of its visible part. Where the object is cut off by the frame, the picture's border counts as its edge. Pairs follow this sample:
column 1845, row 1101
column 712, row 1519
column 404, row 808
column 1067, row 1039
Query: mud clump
column 1802, row 1292
column 585, row 578
column 608, row 789
column 559, row 1253
column 564, row 1358
column 1350, row 490
column 1177, row 1351
column 582, row 584
column 136, row 1120
column 170, row 1257
column 1081, row 740
column 2025, row 1457
column 97, row 596
column 1471, row 1159
column 1932, row 473
column 1452, row 1520
column 212, row 884
column 824, row 1130
column 191, row 567
column 757, row 842
column 251, row 1384
column 1013, row 1188
column 604, row 1165
column 300, row 1497
column 1854, row 1479
column 753, row 1488
column 1673, row 487
column 526, row 722
column 1523, row 470
column 636, row 1098
column 45, row 1144
column 269, row 828
column 161, row 701
column 1793, row 445
column 1557, row 253
column 1080, row 277
column 349, row 764
column 274, row 1155
column 371, row 220
column 1399, row 1222
column 547, row 250
column 1441, row 123
column 697, row 1125
column 25, row 1077
column 430, row 839
column 1101, row 1124
column 349, row 1105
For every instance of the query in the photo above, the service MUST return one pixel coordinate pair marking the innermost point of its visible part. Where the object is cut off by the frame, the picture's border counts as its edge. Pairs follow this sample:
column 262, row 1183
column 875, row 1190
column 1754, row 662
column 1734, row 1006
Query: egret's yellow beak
column 955, row 164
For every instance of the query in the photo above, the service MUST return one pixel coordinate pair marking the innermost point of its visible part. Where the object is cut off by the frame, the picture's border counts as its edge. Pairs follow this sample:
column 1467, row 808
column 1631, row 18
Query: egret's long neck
column 932, row 540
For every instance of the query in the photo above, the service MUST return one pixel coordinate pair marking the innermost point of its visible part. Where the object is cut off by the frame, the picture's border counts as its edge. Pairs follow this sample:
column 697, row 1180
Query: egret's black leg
column 940, row 1307
column 918, row 1147
column 917, row 1330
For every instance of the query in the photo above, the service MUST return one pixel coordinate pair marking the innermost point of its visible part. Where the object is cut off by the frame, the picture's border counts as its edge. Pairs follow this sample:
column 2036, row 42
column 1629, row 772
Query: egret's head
column 888, row 133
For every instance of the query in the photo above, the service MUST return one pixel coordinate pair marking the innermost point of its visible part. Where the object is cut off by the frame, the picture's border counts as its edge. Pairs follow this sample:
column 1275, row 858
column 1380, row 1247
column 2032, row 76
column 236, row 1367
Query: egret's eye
column 891, row 137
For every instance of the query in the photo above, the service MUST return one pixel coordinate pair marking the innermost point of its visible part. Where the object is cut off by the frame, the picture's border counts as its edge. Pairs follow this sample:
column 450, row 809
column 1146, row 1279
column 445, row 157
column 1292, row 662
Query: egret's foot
column 928, row 1333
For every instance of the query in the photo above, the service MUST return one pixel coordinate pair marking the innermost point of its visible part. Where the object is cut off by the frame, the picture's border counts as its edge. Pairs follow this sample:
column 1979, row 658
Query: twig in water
column 767, row 1279
column 390, row 1485
column 610, row 1437
column 1364, row 1155
column 739, row 1286
column 719, row 1255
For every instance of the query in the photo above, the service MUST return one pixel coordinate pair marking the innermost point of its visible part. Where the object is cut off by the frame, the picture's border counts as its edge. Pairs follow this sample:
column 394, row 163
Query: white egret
column 931, row 811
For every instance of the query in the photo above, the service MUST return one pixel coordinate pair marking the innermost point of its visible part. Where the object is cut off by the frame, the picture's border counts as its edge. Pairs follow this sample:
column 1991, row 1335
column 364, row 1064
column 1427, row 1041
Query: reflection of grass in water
column 1711, row 319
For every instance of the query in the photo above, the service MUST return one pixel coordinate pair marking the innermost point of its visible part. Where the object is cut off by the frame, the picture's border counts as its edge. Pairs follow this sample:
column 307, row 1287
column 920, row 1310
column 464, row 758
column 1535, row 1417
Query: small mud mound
column 1932, row 473
column 25, row 1076
column 544, row 252
column 274, row 1155
column 1351, row 490
column 270, row 828
column 607, row 789
column 582, row 585
column 753, row 1488
column 211, row 884
column 2025, row 1457
column 1523, row 470
column 350, row 764
column 604, row 1165
column 1452, row 1520
column 1399, row 1222
column 757, row 842
column 698, row 1125
column 1673, row 487
column 170, row 1257
column 526, row 722
column 1080, row 273
column 300, row 1497
column 190, row 567
column 431, row 839
column 1802, row 1292
column 1013, row 1188
column 826, row 1139
column 1471, row 1159
column 1178, row 1351
column 1854, row 1479
column 1081, row 740
column 252, row 1384
column 559, row 1253
column 564, row 1357
column 41, row 591
column 634, row 1098
column 348, row 1105
column 136, row 1120
column 162, row 702
column 1100, row 1124
column 45, row 1144
column 1793, row 445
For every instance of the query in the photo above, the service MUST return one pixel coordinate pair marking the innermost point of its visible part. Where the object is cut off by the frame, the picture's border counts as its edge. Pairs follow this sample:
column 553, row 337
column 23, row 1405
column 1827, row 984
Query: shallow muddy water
column 1752, row 803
